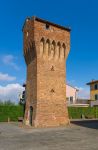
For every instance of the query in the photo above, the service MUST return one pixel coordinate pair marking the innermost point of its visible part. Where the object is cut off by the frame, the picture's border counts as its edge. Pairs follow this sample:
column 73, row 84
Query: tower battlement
column 52, row 40
column 46, row 48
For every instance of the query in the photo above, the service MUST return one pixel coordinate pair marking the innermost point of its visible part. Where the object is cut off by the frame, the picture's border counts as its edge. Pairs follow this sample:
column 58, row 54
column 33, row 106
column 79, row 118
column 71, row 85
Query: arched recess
column 42, row 42
column 57, row 51
column 47, row 47
column 52, row 52
column 62, row 51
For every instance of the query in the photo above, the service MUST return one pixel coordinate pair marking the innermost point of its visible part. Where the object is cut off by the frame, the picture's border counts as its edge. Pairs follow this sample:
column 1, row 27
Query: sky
column 82, row 63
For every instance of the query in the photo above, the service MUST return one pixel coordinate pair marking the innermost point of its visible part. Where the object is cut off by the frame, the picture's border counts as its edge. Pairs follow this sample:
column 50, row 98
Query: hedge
column 10, row 111
column 78, row 112
column 15, row 111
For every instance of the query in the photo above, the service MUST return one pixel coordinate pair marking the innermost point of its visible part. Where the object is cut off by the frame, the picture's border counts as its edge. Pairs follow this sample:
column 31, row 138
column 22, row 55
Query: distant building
column 72, row 98
column 93, row 89
column 71, row 94
column 93, row 92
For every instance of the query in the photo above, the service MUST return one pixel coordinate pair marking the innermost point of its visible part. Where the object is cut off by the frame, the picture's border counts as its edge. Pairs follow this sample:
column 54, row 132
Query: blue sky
column 80, row 15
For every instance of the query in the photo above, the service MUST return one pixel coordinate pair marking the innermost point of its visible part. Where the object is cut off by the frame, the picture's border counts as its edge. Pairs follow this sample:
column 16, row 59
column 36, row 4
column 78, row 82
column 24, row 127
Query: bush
column 15, row 111
column 87, row 112
column 10, row 111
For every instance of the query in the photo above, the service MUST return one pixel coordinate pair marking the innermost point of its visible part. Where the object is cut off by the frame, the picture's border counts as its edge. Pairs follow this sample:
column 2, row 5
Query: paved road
column 74, row 137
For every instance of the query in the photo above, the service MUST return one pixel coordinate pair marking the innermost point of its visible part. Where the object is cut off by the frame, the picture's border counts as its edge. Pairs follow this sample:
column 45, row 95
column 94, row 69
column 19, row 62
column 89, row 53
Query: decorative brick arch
column 53, row 48
column 62, row 51
column 42, row 45
column 57, row 52
column 47, row 47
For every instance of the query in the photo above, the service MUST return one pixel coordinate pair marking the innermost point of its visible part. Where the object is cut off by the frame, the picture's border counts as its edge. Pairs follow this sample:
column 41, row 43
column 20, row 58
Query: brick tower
column 46, row 47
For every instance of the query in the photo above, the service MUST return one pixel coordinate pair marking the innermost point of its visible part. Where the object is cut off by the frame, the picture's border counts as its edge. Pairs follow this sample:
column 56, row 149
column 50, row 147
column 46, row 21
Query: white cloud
column 9, row 60
column 6, row 77
column 11, row 92
column 83, row 93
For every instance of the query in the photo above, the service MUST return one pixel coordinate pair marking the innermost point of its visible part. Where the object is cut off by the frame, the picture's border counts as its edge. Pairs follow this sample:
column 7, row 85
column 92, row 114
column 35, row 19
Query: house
column 93, row 92
column 93, row 89
column 72, row 97
column 71, row 94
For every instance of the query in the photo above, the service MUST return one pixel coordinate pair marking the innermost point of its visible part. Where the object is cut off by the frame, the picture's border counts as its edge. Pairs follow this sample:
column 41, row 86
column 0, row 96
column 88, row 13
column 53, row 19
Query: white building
column 71, row 94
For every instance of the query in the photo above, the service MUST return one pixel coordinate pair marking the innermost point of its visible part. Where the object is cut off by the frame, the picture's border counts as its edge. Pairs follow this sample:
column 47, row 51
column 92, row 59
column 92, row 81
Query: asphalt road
column 75, row 137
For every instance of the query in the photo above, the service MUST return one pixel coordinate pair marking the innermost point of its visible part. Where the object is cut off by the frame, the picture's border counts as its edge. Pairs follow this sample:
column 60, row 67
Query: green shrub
column 15, row 111
column 10, row 111
column 77, row 112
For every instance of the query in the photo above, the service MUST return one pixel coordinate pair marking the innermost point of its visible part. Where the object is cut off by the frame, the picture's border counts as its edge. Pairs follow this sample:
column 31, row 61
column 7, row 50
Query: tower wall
column 46, row 48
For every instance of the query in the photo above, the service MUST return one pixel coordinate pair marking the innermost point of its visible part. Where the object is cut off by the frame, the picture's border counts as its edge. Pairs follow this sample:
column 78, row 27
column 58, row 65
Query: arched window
column 42, row 46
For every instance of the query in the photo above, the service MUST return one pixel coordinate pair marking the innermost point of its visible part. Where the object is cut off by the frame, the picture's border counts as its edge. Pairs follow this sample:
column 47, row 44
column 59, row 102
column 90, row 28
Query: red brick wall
column 46, row 74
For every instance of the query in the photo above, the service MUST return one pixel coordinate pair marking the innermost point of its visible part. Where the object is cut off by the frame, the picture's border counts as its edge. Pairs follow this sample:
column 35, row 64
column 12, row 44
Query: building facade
column 71, row 94
column 46, row 47
column 93, row 90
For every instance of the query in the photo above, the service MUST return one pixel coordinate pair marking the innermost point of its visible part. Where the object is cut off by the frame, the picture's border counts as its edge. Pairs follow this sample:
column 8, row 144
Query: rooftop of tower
column 48, row 22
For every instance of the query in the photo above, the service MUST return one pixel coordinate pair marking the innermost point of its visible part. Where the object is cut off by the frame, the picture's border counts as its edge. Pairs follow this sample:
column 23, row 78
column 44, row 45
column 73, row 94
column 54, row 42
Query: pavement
column 82, row 136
